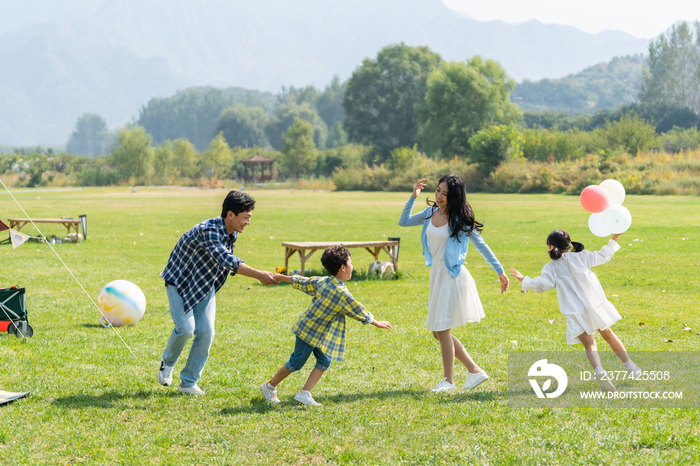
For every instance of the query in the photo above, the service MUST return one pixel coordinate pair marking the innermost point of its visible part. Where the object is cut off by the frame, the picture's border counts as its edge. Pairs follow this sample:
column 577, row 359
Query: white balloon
column 595, row 224
column 617, row 219
column 615, row 191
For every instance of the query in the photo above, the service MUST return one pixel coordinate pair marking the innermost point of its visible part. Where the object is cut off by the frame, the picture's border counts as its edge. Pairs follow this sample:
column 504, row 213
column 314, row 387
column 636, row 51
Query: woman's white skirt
column 452, row 302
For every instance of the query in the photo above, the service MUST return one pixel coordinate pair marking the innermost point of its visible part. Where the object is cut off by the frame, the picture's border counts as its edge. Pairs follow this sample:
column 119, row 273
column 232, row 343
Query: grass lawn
column 94, row 403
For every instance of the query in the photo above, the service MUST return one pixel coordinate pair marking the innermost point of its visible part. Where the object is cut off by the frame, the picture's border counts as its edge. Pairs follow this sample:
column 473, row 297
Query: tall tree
column 672, row 74
column 243, row 126
column 298, row 95
column 185, row 158
column 163, row 161
column 90, row 137
column 286, row 115
column 381, row 96
column 330, row 103
column 299, row 151
column 190, row 114
column 462, row 98
column 337, row 136
column 217, row 155
column 132, row 155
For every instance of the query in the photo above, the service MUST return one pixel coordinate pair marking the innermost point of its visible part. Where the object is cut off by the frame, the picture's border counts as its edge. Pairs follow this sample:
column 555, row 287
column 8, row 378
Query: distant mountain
column 113, row 58
column 605, row 85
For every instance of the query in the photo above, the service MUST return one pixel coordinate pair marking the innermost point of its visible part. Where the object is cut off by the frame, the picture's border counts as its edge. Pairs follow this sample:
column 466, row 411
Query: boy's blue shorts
column 302, row 351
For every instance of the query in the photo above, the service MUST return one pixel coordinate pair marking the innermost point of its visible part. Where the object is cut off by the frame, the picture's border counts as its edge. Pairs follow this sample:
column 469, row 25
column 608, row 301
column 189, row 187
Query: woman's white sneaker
column 473, row 380
column 604, row 381
column 443, row 386
column 634, row 372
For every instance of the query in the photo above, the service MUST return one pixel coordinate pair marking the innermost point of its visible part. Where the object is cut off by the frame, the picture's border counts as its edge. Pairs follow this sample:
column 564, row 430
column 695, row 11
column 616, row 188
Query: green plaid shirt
column 323, row 324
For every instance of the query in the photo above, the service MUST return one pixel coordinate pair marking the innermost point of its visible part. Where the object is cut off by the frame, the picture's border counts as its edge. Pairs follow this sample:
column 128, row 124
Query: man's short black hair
column 237, row 202
column 333, row 258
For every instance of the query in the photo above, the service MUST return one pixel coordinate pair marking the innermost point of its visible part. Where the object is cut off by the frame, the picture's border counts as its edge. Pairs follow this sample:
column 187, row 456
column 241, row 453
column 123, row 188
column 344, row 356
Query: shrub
column 550, row 145
column 494, row 145
column 631, row 133
column 680, row 140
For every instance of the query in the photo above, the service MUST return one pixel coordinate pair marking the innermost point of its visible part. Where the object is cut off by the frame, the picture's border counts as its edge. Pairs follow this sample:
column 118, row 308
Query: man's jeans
column 200, row 322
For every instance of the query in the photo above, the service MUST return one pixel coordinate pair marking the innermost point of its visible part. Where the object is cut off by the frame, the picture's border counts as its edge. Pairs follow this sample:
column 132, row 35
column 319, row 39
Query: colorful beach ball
column 121, row 303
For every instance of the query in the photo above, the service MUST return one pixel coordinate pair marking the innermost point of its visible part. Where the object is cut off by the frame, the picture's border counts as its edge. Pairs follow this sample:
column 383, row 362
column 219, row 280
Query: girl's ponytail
column 555, row 253
column 578, row 247
column 561, row 242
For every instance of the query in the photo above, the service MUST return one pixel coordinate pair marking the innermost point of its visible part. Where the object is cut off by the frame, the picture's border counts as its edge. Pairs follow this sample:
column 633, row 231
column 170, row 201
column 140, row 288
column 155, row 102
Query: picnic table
column 18, row 223
column 373, row 247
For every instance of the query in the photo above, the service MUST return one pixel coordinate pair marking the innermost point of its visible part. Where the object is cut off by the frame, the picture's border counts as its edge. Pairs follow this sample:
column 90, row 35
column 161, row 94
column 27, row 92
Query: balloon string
column 70, row 272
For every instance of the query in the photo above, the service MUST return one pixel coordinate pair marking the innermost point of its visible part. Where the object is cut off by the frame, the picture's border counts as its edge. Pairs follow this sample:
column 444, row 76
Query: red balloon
column 595, row 199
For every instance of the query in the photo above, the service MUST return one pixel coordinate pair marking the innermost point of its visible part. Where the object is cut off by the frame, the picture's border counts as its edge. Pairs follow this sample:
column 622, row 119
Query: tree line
column 405, row 97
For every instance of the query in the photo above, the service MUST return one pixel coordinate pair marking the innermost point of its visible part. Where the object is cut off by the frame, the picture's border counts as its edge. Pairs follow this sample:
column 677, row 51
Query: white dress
column 452, row 301
column 581, row 298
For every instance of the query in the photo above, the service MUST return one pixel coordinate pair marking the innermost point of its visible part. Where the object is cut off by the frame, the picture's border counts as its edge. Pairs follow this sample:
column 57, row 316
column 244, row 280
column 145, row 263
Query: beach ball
column 595, row 224
column 617, row 219
column 594, row 199
column 615, row 190
column 121, row 303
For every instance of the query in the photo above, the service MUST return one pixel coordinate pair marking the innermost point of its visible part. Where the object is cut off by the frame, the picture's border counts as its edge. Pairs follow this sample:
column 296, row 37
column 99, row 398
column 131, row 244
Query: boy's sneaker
column 193, row 390
column 165, row 374
column 473, row 380
column 443, row 386
column 304, row 397
column 270, row 395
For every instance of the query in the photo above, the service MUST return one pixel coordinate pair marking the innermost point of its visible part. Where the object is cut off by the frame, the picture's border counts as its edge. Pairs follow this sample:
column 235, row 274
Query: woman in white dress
column 581, row 298
column 448, row 229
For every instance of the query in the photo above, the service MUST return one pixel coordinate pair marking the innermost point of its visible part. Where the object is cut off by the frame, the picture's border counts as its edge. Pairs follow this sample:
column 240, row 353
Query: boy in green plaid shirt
column 321, row 329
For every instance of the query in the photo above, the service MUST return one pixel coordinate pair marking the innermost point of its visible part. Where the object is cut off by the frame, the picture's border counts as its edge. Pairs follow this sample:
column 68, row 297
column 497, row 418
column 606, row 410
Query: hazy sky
column 641, row 18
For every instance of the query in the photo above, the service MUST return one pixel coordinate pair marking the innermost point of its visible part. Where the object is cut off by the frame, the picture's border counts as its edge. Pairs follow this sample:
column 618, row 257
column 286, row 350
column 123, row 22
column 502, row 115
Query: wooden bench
column 373, row 247
column 18, row 223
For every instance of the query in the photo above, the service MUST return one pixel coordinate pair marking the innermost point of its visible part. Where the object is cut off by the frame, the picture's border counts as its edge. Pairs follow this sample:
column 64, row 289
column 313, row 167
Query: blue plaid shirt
column 201, row 259
column 323, row 324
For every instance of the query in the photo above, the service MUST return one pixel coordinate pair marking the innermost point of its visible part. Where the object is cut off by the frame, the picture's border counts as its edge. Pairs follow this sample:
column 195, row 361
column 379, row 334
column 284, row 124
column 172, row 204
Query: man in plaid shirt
column 198, row 267
column 321, row 329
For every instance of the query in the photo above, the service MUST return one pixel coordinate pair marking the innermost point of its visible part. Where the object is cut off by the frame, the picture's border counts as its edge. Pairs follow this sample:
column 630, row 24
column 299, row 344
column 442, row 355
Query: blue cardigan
column 456, row 251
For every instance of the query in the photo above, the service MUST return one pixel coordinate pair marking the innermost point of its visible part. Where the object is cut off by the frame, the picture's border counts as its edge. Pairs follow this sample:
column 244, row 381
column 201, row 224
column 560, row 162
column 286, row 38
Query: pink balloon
column 595, row 199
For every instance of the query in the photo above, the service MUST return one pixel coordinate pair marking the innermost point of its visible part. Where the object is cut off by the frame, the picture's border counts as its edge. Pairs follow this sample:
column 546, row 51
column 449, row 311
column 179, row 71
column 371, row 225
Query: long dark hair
column 459, row 213
column 561, row 242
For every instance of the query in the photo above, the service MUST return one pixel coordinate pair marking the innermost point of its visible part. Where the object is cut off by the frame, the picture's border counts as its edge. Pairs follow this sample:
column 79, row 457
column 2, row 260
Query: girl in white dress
column 448, row 229
column 581, row 298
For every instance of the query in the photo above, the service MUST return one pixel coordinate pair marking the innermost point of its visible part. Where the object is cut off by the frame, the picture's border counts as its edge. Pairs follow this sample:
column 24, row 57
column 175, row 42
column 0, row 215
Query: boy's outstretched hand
column 283, row 278
column 381, row 324
column 517, row 274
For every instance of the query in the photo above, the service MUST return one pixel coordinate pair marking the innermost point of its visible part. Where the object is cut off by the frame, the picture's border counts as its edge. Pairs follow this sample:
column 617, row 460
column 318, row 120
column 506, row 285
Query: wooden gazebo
column 250, row 164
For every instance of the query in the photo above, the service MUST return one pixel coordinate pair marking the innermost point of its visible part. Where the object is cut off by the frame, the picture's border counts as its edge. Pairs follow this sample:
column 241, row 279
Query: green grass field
column 92, row 402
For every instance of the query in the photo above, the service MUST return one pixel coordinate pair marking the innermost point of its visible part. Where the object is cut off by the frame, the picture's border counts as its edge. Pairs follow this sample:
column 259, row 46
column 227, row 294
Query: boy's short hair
column 335, row 257
column 237, row 202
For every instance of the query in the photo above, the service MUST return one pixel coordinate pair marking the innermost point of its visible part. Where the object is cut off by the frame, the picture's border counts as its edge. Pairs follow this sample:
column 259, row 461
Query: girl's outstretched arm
column 595, row 258
column 545, row 282
column 517, row 274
